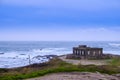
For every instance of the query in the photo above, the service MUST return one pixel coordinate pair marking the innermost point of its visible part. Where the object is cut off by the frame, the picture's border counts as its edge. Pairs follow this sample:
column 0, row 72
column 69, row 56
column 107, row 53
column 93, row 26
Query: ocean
column 17, row 53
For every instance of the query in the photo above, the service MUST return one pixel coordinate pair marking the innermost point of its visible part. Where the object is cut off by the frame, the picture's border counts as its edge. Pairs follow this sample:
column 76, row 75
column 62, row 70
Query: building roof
column 85, row 47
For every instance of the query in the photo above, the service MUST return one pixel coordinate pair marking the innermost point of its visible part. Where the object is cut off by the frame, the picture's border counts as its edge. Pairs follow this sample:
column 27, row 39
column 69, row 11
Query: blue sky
column 55, row 20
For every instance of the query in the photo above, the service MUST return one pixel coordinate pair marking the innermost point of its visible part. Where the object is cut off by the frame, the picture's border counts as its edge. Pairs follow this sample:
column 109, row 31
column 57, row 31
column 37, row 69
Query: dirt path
column 83, row 62
column 77, row 76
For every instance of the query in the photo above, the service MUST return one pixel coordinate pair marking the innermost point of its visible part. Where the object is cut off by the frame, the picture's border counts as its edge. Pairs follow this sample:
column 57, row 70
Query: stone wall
column 84, row 52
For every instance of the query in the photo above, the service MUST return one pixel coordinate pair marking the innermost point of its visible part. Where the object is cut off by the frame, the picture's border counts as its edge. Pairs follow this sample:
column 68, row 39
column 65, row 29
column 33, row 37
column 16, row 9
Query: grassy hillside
column 54, row 66
column 114, row 61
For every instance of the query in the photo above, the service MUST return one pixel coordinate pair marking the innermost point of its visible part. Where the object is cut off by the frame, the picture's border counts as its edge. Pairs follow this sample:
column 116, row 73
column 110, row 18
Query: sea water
column 18, row 53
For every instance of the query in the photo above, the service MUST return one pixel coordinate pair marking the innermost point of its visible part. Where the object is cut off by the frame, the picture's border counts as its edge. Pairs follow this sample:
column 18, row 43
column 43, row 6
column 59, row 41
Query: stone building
column 84, row 52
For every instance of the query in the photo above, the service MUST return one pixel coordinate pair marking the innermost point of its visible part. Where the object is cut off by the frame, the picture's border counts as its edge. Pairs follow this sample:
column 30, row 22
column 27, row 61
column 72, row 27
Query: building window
column 82, row 52
column 79, row 52
column 76, row 52
column 94, row 53
column 99, row 52
column 88, row 52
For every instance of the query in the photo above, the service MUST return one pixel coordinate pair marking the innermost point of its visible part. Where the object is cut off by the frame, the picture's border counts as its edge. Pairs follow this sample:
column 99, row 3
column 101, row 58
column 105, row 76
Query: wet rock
column 1, row 53
column 22, row 54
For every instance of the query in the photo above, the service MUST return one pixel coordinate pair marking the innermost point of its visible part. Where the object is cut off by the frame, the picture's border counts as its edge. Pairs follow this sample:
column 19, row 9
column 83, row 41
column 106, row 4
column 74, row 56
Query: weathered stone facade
column 84, row 52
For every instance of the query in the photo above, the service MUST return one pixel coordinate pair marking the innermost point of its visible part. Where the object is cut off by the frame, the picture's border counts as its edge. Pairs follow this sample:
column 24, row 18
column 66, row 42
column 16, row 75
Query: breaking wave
column 115, row 44
column 48, row 50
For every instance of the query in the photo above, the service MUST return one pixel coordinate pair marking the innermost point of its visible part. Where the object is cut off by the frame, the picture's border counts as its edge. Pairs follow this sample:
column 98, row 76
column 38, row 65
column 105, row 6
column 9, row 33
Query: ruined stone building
column 84, row 52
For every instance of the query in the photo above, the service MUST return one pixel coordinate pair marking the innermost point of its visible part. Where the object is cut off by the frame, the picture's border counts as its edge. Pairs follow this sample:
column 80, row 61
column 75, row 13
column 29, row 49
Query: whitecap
column 47, row 50
column 115, row 44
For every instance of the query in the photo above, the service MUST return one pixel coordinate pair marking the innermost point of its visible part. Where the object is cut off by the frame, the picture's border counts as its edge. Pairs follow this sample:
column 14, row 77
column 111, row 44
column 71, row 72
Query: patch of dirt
column 77, row 76
column 83, row 62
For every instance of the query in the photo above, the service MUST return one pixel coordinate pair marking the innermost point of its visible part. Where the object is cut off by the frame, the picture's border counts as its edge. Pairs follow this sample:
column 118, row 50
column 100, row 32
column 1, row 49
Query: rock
column 22, row 54
column 50, row 56
column 117, row 75
column 1, row 53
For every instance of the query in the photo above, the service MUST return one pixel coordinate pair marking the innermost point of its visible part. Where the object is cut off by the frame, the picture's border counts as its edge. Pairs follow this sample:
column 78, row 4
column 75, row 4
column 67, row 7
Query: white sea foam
column 50, row 51
column 21, row 58
column 115, row 44
column 47, row 50
column 10, row 62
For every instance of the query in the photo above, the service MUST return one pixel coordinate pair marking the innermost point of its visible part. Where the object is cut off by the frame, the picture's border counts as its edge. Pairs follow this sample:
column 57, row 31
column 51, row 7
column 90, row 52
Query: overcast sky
column 56, row 20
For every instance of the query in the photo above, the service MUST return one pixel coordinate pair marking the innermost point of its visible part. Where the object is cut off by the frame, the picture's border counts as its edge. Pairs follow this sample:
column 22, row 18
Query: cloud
column 67, row 4
column 59, row 20
column 68, row 12
column 81, row 33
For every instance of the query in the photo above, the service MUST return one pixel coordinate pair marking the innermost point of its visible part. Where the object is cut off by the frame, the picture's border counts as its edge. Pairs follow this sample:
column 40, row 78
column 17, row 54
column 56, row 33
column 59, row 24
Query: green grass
column 114, row 61
column 54, row 66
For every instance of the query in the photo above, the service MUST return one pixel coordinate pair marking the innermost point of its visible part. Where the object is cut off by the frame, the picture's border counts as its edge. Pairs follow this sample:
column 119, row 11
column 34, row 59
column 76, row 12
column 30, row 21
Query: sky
column 59, row 20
